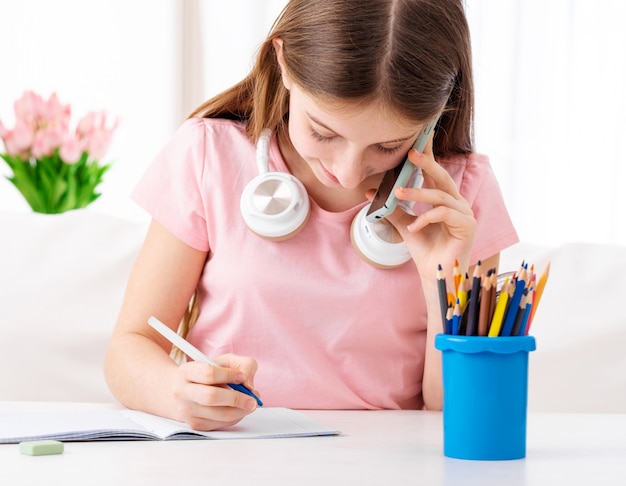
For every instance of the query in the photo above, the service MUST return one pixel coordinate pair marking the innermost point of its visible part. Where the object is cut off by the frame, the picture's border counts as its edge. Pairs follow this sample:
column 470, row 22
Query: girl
column 345, row 86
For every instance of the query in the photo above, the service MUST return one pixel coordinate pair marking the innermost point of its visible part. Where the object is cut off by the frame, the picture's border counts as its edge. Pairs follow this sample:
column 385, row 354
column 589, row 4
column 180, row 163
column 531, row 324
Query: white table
column 376, row 448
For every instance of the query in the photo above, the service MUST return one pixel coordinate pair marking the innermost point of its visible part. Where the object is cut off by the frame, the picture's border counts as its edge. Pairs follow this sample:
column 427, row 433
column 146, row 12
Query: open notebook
column 93, row 424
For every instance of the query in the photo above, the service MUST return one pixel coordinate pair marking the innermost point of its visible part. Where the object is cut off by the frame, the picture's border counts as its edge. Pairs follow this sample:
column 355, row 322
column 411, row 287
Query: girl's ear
column 277, row 42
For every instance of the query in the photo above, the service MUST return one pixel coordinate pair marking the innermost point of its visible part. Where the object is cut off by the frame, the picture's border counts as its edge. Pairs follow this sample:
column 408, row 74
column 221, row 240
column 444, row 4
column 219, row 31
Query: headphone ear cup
column 275, row 205
column 379, row 243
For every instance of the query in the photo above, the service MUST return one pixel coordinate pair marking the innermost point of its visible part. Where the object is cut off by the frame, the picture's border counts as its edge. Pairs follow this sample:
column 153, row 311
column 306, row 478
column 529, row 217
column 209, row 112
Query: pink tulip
column 71, row 150
column 28, row 106
column 87, row 124
column 12, row 148
column 23, row 135
column 54, row 112
column 18, row 141
column 46, row 141
column 42, row 126
column 42, row 134
column 98, row 143
column 95, row 133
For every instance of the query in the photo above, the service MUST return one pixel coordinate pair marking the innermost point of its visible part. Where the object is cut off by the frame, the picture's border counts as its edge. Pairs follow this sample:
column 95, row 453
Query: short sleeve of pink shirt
column 328, row 330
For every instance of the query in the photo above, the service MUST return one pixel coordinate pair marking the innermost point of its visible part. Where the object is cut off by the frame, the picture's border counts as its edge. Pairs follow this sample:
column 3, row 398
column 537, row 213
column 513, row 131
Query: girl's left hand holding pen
column 204, row 399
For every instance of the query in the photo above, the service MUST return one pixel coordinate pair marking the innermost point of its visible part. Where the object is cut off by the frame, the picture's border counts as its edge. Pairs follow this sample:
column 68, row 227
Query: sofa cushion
column 579, row 364
column 62, row 279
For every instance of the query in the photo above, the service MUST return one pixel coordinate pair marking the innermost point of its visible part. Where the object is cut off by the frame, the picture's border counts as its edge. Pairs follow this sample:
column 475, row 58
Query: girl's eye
column 318, row 136
column 381, row 148
column 388, row 150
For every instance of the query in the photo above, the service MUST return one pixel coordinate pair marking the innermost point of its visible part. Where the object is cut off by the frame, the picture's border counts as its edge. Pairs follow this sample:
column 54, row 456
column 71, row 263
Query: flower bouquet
column 55, row 168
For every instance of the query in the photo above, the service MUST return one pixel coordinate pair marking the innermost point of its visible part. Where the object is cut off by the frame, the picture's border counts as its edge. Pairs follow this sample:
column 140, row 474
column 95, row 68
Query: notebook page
column 71, row 424
column 262, row 423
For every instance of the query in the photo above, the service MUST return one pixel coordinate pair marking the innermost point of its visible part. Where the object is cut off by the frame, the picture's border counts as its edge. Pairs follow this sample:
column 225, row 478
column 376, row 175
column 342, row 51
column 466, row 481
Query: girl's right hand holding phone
column 204, row 400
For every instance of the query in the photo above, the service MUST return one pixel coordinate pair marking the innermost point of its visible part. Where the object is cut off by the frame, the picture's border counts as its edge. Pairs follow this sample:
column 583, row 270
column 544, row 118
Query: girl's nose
column 349, row 168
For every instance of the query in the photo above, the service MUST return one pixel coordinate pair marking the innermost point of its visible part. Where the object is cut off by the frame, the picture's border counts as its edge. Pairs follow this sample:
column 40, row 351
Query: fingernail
column 413, row 226
column 250, row 405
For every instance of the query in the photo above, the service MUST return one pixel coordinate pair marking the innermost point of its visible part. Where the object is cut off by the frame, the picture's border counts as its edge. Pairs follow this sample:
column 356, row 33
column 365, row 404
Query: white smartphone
column 385, row 202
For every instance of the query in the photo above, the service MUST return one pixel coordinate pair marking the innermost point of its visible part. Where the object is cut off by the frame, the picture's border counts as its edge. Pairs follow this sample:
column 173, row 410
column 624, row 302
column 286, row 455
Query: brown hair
column 413, row 55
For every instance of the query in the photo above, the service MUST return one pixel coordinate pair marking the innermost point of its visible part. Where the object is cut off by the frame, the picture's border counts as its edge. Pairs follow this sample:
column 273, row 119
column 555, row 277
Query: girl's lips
column 328, row 174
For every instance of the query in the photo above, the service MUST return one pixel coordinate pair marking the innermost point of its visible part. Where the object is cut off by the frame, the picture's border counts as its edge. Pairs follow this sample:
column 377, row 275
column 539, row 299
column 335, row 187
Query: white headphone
column 275, row 205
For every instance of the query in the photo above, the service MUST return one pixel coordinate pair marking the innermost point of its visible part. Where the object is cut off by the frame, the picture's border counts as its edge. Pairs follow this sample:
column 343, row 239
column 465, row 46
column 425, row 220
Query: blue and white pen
column 194, row 353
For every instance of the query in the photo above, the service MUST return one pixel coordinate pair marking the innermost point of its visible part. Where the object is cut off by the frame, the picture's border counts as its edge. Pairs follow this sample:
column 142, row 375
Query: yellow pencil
column 462, row 293
column 498, row 314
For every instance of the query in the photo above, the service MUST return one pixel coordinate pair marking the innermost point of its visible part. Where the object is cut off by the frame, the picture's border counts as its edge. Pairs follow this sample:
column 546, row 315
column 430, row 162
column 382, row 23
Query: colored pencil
column 443, row 295
column 463, row 291
column 493, row 292
column 509, row 320
column 474, row 302
column 541, row 283
column 481, row 308
column 449, row 319
column 457, row 277
column 456, row 318
column 485, row 305
column 519, row 315
column 529, row 305
column 498, row 314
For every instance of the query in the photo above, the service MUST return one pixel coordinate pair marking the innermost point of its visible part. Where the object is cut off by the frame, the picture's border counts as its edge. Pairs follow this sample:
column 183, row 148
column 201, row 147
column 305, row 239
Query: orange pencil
column 541, row 283
column 457, row 277
column 451, row 298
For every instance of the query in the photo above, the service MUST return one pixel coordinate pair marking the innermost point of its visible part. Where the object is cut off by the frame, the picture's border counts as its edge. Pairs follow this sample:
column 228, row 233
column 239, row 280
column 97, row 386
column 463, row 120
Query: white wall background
column 550, row 80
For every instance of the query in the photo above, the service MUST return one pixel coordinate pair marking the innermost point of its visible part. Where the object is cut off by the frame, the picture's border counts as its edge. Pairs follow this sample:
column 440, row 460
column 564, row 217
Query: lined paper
column 93, row 424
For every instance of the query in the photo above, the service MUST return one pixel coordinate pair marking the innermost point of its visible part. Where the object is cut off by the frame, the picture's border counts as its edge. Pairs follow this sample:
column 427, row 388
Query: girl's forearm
column 140, row 374
column 432, row 380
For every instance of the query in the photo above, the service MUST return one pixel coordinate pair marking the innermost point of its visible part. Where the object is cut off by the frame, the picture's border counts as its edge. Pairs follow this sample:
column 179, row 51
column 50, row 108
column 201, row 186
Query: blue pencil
column 529, row 305
column 456, row 317
column 509, row 321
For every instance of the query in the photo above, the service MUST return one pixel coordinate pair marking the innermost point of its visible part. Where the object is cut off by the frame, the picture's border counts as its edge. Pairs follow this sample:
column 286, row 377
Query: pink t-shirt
column 328, row 330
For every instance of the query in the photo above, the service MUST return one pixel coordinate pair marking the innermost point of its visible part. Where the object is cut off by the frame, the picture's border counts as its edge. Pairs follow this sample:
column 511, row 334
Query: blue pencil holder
column 485, row 396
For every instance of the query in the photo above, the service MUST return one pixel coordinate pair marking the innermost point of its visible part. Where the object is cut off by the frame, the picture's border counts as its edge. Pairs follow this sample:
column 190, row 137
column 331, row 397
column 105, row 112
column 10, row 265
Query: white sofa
column 62, row 279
